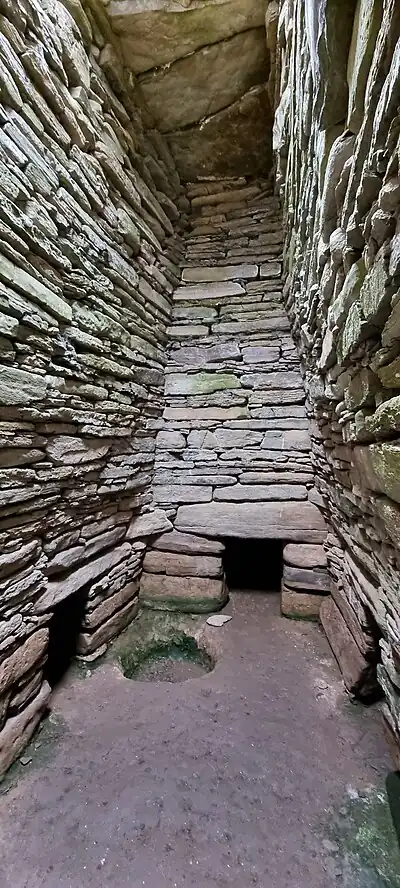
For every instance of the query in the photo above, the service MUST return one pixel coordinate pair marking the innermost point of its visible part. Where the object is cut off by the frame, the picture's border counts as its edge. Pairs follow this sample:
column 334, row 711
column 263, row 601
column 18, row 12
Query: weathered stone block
column 235, row 141
column 359, row 675
column 18, row 730
column 291, row 521
column 300, row 605
column 90, row 641
column 187, row 544
column 305, row 556
column 302, row 578
column 146, row 525
column 23, row 659
column 233, row 67
column 220, row 273
column 188, row 594
column 180, row 565
column 157, row 32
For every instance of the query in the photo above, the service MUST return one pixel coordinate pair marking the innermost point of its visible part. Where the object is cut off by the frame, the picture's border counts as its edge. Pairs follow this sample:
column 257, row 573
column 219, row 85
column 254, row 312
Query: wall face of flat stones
column 88, row 193
column 337, row 145
column 203, row 67
column 233, row 451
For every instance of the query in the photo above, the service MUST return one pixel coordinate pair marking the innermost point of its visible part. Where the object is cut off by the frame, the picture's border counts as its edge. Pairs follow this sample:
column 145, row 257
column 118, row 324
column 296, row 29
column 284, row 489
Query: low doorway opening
column 253, row 564
column 64, row 628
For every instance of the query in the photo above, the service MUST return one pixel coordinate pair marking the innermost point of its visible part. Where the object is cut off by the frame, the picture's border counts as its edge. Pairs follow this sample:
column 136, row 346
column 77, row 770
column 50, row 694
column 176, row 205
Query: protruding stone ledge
column 301, row 522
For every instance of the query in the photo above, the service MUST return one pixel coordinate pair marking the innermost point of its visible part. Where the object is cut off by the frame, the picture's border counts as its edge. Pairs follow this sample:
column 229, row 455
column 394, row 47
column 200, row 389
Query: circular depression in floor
column 172, row 661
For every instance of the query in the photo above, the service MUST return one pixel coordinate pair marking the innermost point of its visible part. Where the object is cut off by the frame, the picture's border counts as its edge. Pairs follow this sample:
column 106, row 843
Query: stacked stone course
column 337, row 146
column 89, row 195
column 233, row 451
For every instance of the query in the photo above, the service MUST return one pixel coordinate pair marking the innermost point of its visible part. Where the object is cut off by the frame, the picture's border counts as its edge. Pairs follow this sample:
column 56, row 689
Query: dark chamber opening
column 253, row 564
column 65, row 626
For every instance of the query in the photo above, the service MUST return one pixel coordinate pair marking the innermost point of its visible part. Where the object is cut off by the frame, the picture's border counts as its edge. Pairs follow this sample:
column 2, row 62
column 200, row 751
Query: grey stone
column 185, row 594
column 188, row 544
column 155, row 522
column 220, row 273
column 292, row 521
column 181, row 565
column 259, row 492
column 233, row 66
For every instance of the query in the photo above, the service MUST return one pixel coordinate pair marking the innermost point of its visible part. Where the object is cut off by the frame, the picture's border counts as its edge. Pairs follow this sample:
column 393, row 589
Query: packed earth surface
column 239, row 778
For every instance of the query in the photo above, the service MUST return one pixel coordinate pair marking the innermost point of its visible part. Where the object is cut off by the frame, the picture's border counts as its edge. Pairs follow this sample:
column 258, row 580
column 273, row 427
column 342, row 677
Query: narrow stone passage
column 235, row 779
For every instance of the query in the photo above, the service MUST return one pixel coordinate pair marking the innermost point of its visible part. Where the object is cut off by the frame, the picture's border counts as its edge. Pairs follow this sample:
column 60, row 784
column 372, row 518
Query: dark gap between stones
column 253, row 564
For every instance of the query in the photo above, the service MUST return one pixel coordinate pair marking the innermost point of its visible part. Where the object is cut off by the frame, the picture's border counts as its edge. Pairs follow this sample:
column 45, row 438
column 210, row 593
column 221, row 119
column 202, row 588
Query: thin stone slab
column 316, row 580
column 257, row 493
column 149, row 524
column 359, row 674
column 217, row 290
column 300, row 605
column 219, row 273
column 302, row 522
column 188, row 544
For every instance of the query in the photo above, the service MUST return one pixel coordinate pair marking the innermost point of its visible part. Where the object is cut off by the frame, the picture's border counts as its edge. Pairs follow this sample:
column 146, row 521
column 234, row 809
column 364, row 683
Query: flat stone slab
column 193, row 595
column 218, row 620
column 316, row 580
column 188, row 544
column 359, row 675
column 220, row 273
column 300, row 605
column 177, row 565
column 304, row 556
column 199, row 383
column 263, row 520
column 216, row 290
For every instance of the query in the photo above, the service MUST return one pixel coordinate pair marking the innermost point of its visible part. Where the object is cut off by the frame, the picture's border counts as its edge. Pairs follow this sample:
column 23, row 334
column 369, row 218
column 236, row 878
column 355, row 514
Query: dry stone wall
column 233, row 449
column 337, row 146
column 89, row 194
column 203, row 67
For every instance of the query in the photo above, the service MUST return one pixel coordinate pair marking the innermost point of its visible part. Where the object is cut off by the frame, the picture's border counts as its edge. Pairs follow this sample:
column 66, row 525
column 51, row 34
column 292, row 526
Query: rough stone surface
column 336, row 141
column 188, row 594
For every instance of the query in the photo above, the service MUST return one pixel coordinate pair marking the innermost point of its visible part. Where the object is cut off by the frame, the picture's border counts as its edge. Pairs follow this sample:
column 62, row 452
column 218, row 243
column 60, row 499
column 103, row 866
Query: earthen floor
column 232, row 779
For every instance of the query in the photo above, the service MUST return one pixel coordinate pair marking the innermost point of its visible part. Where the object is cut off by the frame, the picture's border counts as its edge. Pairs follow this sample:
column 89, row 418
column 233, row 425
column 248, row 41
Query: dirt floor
column 260, row 773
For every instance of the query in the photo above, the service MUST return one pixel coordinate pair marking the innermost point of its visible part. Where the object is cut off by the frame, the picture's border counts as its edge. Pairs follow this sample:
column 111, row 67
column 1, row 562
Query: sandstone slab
column 58, row 590
column 186, row 594
column 233, row 67
column 146, row 525
column 188, row 544
column 220, row 273
column 300, row 605
column 18, row 730
column 316, row 579
column 179, row 565
column 359, row 675
column 218, row 290
column 285, row 521
column 234, row 141
column 306, row 556
column 260, row 492
column 23, row 659
column 156, row 32
column 90, row 641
